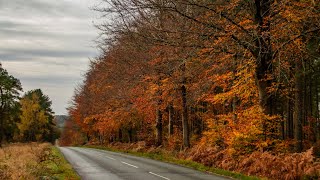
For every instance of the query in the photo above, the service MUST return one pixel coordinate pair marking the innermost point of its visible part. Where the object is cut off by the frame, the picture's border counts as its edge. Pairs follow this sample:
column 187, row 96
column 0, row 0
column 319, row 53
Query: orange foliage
column 238, row 71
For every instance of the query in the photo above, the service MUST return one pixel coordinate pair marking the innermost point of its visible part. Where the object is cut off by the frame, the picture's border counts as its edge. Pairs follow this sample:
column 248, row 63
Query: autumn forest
column 24, row 119
column 225, row 82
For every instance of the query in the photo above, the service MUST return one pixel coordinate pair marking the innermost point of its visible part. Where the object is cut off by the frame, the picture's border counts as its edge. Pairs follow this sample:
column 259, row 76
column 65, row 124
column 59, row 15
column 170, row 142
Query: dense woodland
column 241, row 75
column 24, row 119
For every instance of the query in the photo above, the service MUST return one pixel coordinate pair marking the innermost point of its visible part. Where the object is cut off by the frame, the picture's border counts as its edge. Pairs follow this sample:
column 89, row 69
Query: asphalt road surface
column 94, row 164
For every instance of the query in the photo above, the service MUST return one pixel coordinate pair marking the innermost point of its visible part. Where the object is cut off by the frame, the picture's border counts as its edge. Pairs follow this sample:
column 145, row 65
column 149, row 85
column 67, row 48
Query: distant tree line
column 27, row 118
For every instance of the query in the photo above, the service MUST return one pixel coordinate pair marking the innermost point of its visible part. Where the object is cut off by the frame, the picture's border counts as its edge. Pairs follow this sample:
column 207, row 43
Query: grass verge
column 34, row 161
column 172, row 159
column 56, row 166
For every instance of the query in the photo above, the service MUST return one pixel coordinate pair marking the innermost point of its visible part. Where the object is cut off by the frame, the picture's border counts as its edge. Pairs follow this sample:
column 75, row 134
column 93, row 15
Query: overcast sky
column 46, row 44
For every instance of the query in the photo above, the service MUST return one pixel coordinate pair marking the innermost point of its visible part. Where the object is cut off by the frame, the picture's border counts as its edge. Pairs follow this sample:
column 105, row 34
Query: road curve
column 95, row 164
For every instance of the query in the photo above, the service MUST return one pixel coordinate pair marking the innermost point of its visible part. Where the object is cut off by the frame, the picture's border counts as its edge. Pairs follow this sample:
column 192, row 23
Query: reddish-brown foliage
column 240, row 76
column 263, row 164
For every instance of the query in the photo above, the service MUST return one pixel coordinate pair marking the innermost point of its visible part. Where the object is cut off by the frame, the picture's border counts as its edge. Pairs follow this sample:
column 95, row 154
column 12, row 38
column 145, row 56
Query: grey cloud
column 25, row 31
column 49, row 80
column 4, row 24
column 47, row 43
column 45, row 7
column 27, row 54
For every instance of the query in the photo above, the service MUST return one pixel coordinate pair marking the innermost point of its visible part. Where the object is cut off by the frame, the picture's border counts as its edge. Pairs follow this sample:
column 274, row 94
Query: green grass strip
column 57, row 167
column 186, row 163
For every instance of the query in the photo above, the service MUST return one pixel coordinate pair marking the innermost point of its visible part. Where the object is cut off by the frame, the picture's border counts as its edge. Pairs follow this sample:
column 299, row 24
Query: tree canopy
column 240, row 75
column 29, row 118
column 10, row 89
column 36, row 117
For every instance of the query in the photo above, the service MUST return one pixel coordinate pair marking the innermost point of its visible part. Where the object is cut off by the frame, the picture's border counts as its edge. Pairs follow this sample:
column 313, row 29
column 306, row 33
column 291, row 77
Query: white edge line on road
column 110, row 158
column 129, row 164
column 159, row 175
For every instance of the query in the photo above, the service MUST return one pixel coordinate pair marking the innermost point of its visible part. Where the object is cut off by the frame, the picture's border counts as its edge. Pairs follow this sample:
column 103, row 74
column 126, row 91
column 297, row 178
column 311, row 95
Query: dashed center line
column 110, row 158
column 159, row 175
column 129, row 164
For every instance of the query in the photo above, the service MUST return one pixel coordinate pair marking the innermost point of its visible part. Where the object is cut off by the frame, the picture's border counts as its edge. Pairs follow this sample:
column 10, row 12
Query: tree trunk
column 1, row 133
column 159, row 127
column 263, row 54
column 170, row 120
column 120, row 135
column 283, row 134
column 310, row 90
column 1, row 126
column 88, row 137
column 185, row 126
column 159, row 114
column 100, row 139
column 298, row 107
column 318, row 114
column 289, row 120
column 130, row 135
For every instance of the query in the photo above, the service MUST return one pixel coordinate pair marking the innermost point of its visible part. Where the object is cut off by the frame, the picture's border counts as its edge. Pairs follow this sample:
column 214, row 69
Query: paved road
column 94, row 164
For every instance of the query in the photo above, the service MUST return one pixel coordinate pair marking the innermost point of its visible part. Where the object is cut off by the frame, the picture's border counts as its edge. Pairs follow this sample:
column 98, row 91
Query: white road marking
column 129, row 164
column 110, row 158
column 159, row 175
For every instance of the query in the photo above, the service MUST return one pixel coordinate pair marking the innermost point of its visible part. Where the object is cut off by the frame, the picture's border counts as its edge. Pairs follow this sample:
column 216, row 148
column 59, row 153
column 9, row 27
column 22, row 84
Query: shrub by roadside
column 34, row 161
column 263, row 164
